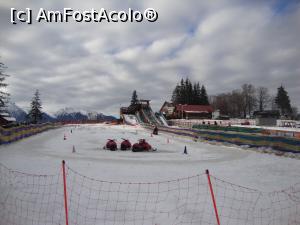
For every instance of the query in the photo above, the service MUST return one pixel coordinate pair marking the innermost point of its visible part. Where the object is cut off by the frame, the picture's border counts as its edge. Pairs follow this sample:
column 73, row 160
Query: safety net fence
column 72, row 198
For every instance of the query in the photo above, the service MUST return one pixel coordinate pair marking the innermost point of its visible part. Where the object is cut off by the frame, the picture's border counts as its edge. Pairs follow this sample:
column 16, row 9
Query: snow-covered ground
column 43, row 153
column 188, row 200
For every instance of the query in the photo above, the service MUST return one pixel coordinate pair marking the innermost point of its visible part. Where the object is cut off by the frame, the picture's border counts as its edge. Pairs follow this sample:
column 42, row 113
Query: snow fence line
column 69, row 197
column 253, row 140
column 9, row 135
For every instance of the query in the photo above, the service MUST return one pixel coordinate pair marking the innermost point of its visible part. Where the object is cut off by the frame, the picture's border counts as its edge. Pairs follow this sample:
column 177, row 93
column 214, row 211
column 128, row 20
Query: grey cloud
column 221, row 44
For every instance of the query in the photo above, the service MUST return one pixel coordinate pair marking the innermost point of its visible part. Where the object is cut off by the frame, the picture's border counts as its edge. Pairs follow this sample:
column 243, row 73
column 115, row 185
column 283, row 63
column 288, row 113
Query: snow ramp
column 130, row 120
column 163, row 120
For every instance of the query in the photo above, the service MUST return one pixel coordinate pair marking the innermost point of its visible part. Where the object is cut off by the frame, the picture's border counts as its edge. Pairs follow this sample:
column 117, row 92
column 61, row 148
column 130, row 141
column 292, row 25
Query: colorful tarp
column 285, row 144
column 8, row 135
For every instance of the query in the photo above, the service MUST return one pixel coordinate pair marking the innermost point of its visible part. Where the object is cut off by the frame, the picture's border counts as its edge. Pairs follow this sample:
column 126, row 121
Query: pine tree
column 282, row 100
column 195, row 94
column 134, row 98
column 176, row 94
column 3, row 94
column 188, row 93
column 203, row 96
column 35, row 113
column 182, row 96
column 198, row 94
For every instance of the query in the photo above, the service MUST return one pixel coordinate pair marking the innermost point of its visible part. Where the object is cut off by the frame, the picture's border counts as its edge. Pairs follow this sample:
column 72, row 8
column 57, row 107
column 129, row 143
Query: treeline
column 190, row 93
column 243, row 102
column 239, row 103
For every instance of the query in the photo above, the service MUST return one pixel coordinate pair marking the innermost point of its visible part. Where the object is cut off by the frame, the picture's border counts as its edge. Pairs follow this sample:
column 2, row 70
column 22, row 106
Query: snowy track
column 42, row 154
column 164, row 187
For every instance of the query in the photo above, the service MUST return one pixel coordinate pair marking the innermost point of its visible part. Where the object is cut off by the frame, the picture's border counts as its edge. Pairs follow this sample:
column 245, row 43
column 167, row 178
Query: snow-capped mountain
column 71, row 114
column 16, row 112
column 66, row 114
column 20, row 115
column 47, row 118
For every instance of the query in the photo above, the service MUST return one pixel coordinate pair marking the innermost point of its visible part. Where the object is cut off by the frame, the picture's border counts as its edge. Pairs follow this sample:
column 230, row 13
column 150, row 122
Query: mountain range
column 66, row 114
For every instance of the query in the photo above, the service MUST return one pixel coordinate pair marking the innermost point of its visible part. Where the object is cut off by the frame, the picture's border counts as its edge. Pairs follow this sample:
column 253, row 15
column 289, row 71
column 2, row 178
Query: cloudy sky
column 96, row 66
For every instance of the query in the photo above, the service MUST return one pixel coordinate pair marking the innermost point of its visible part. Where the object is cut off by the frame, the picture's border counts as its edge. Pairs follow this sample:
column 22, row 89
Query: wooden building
column 5, row 119
column 171, row 111
column 266, row 118
column 193, row 111
column 167, row 110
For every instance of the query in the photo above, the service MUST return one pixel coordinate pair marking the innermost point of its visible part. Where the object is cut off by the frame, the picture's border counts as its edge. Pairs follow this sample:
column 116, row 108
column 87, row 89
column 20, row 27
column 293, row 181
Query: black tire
column 113, row 149
column 137, row 149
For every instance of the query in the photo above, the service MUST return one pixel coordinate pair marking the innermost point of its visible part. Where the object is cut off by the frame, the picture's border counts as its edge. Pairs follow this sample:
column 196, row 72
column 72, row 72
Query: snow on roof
column 4, row 114
column 195, row 111
column 195, row 108
column 10, row 119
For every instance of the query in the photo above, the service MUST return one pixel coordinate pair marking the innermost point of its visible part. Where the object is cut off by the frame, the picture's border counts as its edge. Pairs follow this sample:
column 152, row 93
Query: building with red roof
column 193, row 111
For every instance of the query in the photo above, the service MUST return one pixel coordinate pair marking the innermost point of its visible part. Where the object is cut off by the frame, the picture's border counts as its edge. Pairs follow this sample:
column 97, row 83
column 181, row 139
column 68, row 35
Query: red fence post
column 213, row 197
column 65, row 191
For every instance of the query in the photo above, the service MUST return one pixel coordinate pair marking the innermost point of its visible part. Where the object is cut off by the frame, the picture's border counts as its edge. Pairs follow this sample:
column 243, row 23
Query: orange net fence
column 39, row 199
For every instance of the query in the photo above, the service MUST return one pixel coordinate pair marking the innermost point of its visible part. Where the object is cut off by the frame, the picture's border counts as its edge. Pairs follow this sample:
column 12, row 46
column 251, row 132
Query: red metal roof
column 194, row 108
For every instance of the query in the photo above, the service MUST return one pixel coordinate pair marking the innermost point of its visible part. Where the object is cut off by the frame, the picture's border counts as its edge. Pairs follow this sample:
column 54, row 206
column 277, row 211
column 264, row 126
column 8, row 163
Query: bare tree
column 237, row 103
column 294, row 113
column 273, row 103
column 250, row 101
column 221, row 103
column 263, row 98
column 231, row 104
